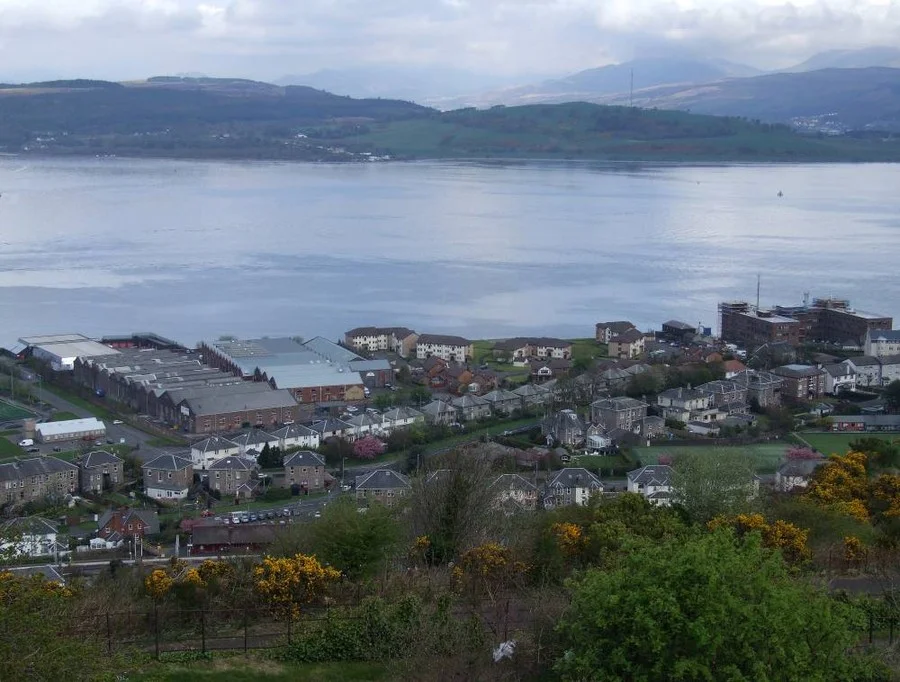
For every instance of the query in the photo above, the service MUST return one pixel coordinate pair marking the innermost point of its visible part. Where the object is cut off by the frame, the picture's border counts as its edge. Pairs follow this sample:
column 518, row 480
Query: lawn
column 765, row 456
column 839, row 443
column 588, row 349
column 9, row 412
column 63, row 416
column 78, row 401
column 10, row 449
column 242, row 669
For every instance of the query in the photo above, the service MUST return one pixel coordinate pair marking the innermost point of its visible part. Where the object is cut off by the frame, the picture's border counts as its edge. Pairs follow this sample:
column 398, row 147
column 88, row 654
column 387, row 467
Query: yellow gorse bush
column 288, row 583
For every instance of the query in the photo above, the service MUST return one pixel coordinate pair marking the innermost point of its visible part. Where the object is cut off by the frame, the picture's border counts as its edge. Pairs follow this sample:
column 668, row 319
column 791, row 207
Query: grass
column 63, row 416
column 160, row 442
column 9, row 412
column 78, row 401
column 494, row 430
column 588, row 349
column 765, row 456
column 10, row 449
column 839, row 443
column 251, row 669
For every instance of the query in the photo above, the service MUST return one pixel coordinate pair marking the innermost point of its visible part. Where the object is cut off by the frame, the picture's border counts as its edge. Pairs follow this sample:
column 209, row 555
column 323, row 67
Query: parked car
column 117, row 422
column 56, row 448
column 34, row 450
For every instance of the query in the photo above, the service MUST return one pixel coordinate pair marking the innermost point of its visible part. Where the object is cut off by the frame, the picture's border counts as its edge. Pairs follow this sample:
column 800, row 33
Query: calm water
column 196, row 250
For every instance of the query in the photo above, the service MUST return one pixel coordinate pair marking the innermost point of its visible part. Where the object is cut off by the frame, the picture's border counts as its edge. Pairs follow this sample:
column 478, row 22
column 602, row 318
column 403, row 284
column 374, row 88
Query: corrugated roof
column 70, row 426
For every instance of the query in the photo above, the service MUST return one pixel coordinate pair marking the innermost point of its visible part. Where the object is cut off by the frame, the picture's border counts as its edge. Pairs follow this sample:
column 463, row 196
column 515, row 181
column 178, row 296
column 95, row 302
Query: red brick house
column 115, row 525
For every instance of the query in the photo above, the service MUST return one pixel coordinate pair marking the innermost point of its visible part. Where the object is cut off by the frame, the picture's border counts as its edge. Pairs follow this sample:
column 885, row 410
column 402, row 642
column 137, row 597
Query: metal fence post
column 245, row 630
column 108, row 635
column 203, row 631
column 291, row 620
column 871, row 626
column 891, row 632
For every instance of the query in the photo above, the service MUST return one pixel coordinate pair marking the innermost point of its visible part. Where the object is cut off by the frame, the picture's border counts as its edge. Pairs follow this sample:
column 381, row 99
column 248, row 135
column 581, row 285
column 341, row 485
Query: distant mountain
column 851, row 59
column 608, row 80
column 415, row 84
column 853, row 98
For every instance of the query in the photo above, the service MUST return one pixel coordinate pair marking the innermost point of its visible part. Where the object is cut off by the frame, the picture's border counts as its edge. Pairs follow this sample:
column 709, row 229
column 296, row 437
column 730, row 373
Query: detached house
column 471, row 407
column 99, row 471
column 401, row 418
column 796, row 473
column 503, row 402
column 449, row 348
column 627, row 345
column 565, row 427
column 687, row 404
column 548, row 369
column 384, row 486
column 532, row 395
column 29, row 536
column 839, row 377
column 120, row 524
column 512, row 490
column 212, row 449
column 168, row 478
column 304, row 471
column 236, row 477
column 571, row 486
column 619, row 413
column 439, row 412
column 653, row 482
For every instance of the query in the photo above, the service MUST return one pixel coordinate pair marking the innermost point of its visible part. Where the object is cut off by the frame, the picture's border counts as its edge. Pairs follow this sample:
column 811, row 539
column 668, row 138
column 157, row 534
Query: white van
column 26, row 442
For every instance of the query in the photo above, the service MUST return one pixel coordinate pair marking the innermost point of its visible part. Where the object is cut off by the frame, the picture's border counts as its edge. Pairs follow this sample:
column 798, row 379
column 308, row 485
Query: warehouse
column 61, row 350
column 71, row 429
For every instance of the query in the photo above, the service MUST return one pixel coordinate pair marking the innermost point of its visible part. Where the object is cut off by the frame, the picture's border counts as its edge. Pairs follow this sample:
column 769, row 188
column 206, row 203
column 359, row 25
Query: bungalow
column 565, row 427
column 439, row 412
column 118, row 524
column 547, row 369
column 514, row 490
column 532, row 395
column 629, row 344
column 99, row 471
column 168, row 477
column 796, row 473
column 332, row 428
column 401, row 418
column 305, row 470
column 383, row 486
column 212, row 449
column 297, row 436
column 29, row 536
column 653, row 482
column 571, row 486
column 236, row 477
column 503, row 402
column 253, row 441
column 471, row 407
column 839, row 377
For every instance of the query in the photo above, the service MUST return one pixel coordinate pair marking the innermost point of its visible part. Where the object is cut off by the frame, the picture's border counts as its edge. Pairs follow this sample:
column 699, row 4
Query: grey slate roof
column 512, row 482
column 618, row 403
column 148, row 516
column 501, row 395
column 168, row 463
column 574, row 477
column 329, row 425
column 304, row 458
column 443, row 340
column 863, row 361
column 884, row 334
column 529, row 390
column 226, row 402
column 382, row 479
column 293, row 431
column 615, row 327
column 233, row 464
column 33, row 466
column 437, row 407
column 684, row 394
column 30, row 525
column 213, row 444
column 629, row 336
column 402, row 413
column 652, row 474
column 254, row 437
column 839, row 370
column 678, row 324
column 99, row 458
column 797, row 371
column 465, row 401
column 47, row 571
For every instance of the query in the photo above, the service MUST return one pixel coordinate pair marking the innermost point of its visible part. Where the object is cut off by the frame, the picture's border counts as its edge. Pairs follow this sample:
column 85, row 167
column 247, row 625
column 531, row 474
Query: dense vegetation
column 246, row 119
column 718, row 588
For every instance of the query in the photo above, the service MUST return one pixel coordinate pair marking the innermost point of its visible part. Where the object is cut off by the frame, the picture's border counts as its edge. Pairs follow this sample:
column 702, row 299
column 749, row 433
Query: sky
column 266, row 39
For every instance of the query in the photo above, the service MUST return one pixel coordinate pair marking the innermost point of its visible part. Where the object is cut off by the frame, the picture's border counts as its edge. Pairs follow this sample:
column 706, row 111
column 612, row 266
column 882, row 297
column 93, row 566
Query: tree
column 711, row 482
column 270, row 458
column 706, row 608
column 368, row 447
column 356, row 544
column 383, row 401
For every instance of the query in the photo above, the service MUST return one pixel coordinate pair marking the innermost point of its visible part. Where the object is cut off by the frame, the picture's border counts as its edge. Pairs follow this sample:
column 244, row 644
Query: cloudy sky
column 119, row 39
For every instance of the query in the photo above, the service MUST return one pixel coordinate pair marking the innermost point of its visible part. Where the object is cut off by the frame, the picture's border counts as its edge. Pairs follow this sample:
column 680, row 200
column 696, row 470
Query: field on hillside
column 765, row 456
column 839, row 443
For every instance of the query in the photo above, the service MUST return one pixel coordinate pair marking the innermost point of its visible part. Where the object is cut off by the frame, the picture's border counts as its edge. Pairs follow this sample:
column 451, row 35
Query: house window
column 170, row 474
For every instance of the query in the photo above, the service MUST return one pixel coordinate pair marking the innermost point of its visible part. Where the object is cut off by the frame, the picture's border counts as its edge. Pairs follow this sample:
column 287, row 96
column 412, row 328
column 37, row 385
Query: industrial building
column 70, row 429
column 61, row 350
column 313, row 371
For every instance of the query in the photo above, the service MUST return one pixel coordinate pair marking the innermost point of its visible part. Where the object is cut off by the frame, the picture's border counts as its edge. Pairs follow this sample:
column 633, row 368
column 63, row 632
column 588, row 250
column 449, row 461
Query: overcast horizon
column 518, row 40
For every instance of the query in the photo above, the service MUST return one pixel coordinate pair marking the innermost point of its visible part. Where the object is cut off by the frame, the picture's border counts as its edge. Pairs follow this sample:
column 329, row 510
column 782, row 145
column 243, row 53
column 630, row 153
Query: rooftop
column 168, row 463
column 99, row 458
column 652, row 474
column 33, row 466
column 884, row 335
column 304, row 458
column 233, row 464
column 225, row 402
column 382, row 479
column 70, row 426
column 574, row 478
column 443, row 340
column 68, row 345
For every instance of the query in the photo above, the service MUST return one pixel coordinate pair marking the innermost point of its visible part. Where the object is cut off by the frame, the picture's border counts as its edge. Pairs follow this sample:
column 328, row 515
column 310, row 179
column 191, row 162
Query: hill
column 230, row 118
column 852, row 59
column 612, row 79
column 856, row 99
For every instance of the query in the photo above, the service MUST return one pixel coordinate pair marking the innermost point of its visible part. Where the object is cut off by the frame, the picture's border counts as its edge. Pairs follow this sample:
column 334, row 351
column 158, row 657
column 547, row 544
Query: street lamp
column 343, row 460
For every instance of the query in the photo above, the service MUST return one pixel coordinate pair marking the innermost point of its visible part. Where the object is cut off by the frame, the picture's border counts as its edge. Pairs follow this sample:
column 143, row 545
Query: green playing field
column 9, row 412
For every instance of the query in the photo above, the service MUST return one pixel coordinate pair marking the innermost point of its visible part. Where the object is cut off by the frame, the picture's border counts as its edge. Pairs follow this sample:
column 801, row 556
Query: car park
column 245, row 518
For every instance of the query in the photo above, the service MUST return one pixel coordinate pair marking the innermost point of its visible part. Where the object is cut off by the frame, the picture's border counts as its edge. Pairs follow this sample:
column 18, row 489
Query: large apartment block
column 449, row 348
column 827, row 320
column 400, row 340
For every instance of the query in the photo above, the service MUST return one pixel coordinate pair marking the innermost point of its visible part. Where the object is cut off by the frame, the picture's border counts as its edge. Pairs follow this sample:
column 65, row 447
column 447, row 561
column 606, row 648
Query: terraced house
column 36, row 478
